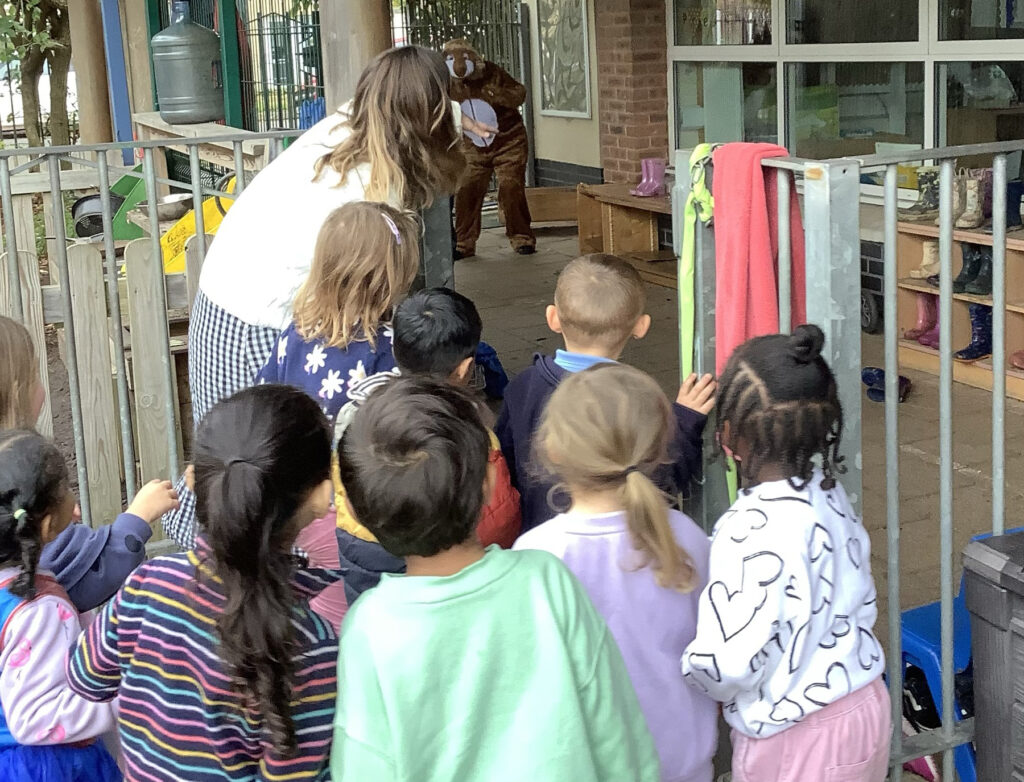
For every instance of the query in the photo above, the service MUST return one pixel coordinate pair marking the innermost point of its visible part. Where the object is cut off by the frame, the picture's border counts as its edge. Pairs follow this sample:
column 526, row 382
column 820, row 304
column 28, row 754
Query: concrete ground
column 512, row 291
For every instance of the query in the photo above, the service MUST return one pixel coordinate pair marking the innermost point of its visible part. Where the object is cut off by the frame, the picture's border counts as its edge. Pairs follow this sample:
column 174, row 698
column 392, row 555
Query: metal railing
column 113, row 304
column 831, row 211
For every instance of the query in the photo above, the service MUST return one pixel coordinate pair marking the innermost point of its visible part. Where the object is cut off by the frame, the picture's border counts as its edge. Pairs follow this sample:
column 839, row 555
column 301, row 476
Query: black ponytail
column 33, row 481
column 257, row 457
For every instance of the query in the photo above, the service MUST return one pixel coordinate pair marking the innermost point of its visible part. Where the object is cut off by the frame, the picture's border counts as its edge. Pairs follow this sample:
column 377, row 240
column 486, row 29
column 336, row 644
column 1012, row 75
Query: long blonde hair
column 607, row 428
column 403, row 125
column 366, row 258
column 19, row 374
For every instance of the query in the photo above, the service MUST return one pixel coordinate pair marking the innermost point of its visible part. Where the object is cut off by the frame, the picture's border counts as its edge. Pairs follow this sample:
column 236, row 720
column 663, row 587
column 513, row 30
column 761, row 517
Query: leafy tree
column 36, row 33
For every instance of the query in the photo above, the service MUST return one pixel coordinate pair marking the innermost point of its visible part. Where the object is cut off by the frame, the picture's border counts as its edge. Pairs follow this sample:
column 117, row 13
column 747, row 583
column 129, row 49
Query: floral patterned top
column 341, row 379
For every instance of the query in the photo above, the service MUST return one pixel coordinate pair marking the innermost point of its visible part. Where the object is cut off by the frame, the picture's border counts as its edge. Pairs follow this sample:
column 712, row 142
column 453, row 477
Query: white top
column 263, row 249
column 785, row 626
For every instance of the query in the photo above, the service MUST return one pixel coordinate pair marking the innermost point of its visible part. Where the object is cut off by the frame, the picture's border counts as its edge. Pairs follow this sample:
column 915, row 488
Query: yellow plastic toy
column 173, row 242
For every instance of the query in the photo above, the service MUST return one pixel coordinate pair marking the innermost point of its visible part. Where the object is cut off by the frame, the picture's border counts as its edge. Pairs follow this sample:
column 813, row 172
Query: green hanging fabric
column 700, row 204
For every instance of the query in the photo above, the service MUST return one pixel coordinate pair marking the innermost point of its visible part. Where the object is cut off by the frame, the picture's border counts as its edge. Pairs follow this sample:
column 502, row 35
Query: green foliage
column 25, row 27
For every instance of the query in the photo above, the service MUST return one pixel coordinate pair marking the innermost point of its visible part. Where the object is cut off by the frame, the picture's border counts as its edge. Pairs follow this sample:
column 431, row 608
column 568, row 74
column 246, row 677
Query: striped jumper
column 155, row 646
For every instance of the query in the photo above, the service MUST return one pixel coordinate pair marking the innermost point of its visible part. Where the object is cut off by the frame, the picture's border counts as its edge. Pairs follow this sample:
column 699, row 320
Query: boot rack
column 972, row 305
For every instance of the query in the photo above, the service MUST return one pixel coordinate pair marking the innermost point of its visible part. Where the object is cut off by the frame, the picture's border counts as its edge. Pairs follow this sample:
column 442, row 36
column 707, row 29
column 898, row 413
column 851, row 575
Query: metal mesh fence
column 492, row 26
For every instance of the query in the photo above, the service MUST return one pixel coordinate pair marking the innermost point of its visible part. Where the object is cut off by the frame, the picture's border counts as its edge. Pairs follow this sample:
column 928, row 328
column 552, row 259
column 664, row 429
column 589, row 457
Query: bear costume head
column 463, row 60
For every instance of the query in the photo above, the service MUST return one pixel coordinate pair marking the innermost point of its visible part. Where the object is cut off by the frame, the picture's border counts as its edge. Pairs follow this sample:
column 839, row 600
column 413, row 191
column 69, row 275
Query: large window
column 717, row 101
column 830, row 78
column 855, row 108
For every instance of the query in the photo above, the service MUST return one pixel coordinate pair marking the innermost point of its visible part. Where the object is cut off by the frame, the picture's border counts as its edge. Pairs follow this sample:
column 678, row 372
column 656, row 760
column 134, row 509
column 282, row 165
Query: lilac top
column 651, row 624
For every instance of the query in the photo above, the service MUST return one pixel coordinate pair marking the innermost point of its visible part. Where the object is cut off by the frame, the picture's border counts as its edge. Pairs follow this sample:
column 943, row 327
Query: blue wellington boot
column 981, row 335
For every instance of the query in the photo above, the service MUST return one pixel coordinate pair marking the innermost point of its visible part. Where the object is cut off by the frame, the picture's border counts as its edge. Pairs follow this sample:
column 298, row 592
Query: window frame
column 928, row 50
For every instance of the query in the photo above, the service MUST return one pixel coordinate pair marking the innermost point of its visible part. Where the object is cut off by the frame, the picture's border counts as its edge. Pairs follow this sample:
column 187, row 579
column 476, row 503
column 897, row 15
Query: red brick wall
column 632, row 62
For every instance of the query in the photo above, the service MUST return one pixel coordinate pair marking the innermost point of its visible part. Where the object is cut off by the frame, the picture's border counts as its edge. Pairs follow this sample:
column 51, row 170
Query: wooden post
column 136, row 25
column 148, row 324
column 353, row 33
column 90, row 71
column 102, row 447
column 32, row 302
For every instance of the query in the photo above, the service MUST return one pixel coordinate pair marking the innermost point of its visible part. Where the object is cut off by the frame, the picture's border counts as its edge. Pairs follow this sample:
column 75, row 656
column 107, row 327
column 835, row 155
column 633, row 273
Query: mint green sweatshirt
column 503, row 672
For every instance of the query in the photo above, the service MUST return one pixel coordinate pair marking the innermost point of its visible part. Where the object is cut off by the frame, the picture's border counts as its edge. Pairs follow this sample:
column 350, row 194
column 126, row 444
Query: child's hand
column 154, row 500
column 190, row 478
column 698, row 394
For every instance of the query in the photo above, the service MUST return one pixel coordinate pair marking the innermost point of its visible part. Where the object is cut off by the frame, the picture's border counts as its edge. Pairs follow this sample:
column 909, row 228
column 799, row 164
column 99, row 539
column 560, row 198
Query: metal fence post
column 832, row 230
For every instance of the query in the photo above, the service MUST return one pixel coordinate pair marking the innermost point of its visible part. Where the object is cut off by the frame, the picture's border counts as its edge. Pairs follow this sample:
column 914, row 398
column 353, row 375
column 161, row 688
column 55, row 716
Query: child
column 90, row 564
column 47, row 732
column 604, row 433
column 436, row 334
column 478, row 664
column 221, row 670
column 599, row 307
column 785, row 629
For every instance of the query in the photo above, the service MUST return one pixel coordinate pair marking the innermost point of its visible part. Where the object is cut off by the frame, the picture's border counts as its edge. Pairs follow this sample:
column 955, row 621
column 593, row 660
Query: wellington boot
column 929, row 261
column 927, row 313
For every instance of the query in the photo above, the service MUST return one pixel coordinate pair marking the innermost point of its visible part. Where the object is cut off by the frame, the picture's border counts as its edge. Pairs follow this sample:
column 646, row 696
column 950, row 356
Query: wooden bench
column 613, row 220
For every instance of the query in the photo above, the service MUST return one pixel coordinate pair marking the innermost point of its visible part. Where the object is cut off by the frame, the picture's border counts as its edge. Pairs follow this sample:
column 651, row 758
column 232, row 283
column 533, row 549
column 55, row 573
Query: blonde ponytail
column 606, row 429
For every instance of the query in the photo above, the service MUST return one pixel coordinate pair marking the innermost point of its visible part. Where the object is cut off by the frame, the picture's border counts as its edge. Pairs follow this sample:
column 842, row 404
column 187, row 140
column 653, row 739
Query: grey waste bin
column 994, row 572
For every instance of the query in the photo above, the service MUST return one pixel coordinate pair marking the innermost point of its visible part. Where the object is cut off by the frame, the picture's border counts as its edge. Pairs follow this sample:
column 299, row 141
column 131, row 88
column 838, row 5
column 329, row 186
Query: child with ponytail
column 90, row 564
column 47, row 732
column 604, row 434
column 222, row 669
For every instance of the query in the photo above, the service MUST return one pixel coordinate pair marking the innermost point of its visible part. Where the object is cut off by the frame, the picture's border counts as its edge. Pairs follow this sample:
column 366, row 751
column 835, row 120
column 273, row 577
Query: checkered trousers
column 224, row 356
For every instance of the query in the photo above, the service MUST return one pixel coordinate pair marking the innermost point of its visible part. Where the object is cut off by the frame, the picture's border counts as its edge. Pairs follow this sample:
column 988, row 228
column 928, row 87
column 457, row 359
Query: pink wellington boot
column 926, row 316
column 930, row 339
column 645, row 179
column 656, row 183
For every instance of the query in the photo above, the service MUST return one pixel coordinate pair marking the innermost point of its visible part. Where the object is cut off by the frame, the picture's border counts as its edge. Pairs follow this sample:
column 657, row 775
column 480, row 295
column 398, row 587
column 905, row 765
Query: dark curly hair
column 33, row 482
column 258, row 455
column 413, row 462
column 779, row 397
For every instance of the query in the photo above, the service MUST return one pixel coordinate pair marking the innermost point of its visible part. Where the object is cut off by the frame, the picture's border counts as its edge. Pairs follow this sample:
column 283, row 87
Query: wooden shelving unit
column 912, row 237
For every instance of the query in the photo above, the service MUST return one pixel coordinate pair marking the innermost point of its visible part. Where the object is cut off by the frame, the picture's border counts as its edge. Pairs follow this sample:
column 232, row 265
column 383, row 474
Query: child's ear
column 490, row 481
column 554, row 323
column 48, row 531
column 643, row 325
column 460, row 376
column 320, row 501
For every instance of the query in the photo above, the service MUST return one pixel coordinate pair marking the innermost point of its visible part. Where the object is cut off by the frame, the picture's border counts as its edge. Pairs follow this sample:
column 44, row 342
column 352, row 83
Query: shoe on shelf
column 959, row 197
column 927, row 204
column 981, row 285
column 969, row 270
column 930, row 339
column 1014, row 193
column 929, row 261
column 877, row 393
column 872, row 377
column 981, row 335
column 973, row 215
column 1017, row 360
column 927, row 315
column 645, row 178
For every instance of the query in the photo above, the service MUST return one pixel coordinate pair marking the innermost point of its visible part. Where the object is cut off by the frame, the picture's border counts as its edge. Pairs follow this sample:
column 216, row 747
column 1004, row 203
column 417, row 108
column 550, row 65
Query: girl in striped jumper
column 222, row 670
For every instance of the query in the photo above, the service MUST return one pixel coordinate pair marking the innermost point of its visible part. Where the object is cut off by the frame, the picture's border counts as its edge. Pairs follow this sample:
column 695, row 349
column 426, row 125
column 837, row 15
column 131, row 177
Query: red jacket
column 501, row 518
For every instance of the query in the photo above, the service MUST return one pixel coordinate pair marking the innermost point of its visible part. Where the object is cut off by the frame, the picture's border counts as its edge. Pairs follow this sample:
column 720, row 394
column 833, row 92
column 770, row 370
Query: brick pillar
column 632, row 62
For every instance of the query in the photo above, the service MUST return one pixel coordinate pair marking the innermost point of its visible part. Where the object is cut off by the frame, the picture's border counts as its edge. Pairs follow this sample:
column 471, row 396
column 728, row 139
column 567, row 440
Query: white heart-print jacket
column 785, row 626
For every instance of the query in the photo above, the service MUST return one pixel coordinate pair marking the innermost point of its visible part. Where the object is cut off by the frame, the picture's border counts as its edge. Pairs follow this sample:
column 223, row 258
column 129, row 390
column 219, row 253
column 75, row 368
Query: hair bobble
column 394, row 228
column 20, row 514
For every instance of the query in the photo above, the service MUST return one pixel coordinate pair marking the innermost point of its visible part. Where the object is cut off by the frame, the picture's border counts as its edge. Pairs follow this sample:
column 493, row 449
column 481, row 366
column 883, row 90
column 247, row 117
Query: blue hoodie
column 92, row 564
column 525, row 399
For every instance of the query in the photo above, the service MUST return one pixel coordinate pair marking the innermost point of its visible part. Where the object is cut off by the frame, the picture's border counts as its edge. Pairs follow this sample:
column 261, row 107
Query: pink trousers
column 320, row 542
column 847, row 741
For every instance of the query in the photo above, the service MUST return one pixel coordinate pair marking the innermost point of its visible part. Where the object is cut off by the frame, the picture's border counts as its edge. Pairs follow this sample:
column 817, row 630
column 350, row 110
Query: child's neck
column 595, row 503
column 447, row 562
column 597, row 351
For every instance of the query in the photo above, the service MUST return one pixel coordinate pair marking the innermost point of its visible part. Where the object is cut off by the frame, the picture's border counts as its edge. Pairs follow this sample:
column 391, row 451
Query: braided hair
column 33, row 483
column 779, row 397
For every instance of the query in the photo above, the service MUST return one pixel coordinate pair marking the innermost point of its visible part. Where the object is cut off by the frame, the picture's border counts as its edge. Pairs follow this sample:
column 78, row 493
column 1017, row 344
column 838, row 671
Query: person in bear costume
column 489, row 94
